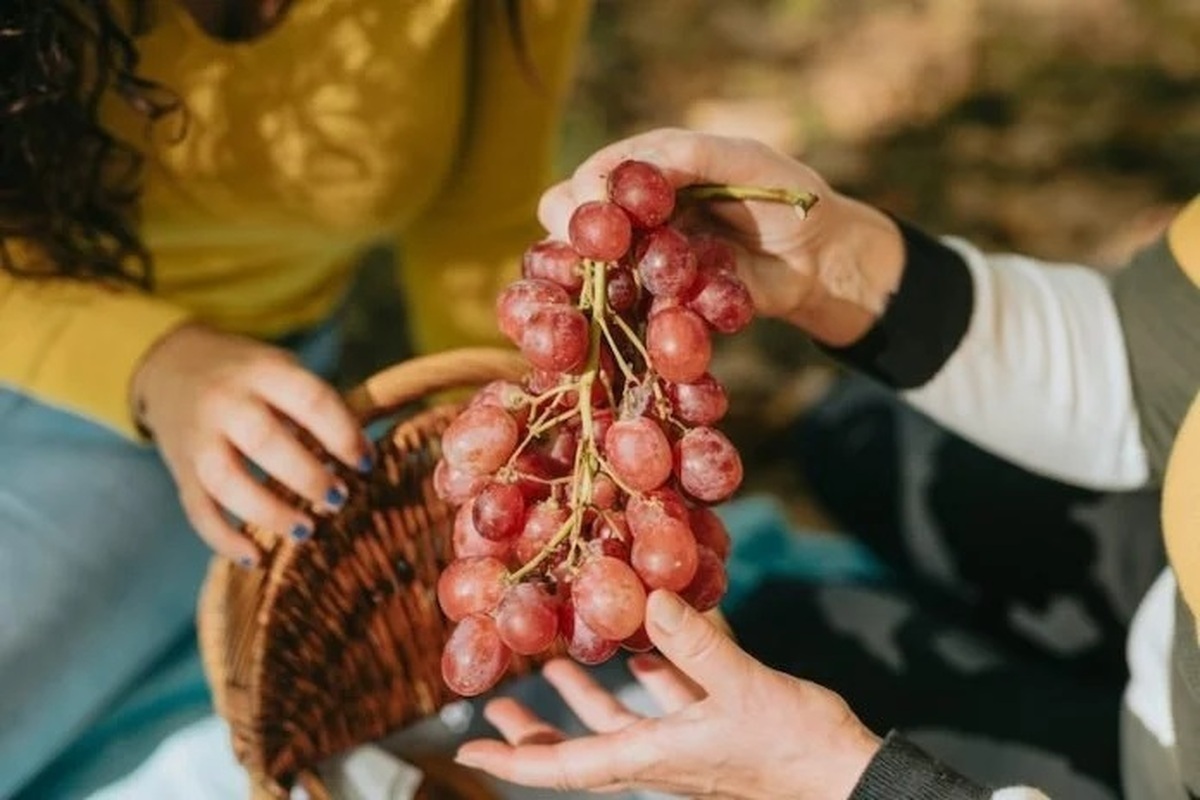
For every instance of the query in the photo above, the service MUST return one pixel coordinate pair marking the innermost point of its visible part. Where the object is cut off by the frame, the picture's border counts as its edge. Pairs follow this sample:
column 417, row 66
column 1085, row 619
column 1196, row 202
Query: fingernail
column 335, row 497
column 668, row 611
column 245, row 562
column 301, row 531
column 465, row 759
column 366, row 463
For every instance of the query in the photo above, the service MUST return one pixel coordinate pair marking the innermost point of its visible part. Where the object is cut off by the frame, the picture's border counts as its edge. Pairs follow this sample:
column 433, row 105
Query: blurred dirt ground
column 1066, row 129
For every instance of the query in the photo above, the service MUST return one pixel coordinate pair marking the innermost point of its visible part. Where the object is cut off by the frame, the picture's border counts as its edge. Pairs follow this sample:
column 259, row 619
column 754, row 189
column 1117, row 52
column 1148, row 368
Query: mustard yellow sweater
column 353, row 122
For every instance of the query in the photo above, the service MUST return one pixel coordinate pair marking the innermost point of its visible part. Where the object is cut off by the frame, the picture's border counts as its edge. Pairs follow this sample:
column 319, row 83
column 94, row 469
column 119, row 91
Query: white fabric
column 1018, row 793
column 1041, row 376
column 1148, row 651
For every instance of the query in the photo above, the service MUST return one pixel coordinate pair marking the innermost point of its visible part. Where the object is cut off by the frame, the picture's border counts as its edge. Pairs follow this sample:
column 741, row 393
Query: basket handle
column 390, row 389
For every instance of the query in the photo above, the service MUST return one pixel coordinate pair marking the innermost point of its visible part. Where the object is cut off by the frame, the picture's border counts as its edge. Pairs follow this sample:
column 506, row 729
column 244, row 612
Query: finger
column 223, row 476
column 214, row 529
column 669, row 687
column 695, row 645
column 518, row 724
column 588, row 763
column 555, row 208
column 316, row 407
column 592, row 703
column 264, row 438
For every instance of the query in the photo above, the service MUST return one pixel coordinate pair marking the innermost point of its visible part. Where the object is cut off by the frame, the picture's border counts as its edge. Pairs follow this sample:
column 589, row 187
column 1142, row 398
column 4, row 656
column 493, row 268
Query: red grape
column 643, row 191
column 499, row 511
column 622, row 290
column 583, row 643
column 542, row 380
column 543, row 521
column 609, row 596
column 507, row 395
column 467, row 541
column 518, row 301
column 723, row 301
column 527, row 619
column 556, row 338
column 612, row 525
column 713, row 254
column 455, row 485
column 664, row 556
column 475, row 658
column 644, row 511
column 555, row 262
column 703, row 402
column 666, row 264
column 709, row 584
column 600, row 230
column 563, row 444
column 480, row 439
column 534, row 469
column 710, row 531
column 471, row 586
column 679, row 345
column 639, row 642
column 608, row 547
column 639, row 453
column 604, row 491
column 708, row 465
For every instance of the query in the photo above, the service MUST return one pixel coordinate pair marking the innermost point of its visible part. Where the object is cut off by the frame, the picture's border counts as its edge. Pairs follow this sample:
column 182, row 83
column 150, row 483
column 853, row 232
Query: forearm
column 76, row 346
column 1026, row 359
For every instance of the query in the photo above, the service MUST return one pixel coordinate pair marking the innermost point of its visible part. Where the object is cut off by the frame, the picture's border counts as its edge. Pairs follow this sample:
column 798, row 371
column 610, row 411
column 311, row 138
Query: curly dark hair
column 67, row 185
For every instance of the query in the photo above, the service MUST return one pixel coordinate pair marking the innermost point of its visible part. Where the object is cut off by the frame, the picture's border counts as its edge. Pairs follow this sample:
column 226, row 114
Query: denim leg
column 99, row 571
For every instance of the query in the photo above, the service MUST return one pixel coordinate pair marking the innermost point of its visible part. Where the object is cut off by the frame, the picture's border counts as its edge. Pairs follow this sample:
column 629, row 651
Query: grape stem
column 633, row 338
column 620, row 484
column 587, row 456
column 626, row 370
column 804, row 201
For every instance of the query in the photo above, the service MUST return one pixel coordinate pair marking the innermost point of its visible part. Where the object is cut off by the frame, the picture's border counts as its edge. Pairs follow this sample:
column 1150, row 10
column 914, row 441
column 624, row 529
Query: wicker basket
column 336, row 641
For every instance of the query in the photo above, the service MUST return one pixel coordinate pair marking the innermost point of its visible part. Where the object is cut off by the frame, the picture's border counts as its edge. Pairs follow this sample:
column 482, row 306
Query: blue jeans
column 99, row 570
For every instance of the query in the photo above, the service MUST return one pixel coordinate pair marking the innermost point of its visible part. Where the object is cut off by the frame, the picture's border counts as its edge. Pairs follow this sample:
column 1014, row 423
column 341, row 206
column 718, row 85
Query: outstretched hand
column 731, row 727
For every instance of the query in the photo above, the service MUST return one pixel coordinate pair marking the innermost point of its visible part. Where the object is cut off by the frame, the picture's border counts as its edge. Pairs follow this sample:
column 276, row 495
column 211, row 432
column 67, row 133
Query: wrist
column 851, row 761
column 857, row 259
column 145, row 378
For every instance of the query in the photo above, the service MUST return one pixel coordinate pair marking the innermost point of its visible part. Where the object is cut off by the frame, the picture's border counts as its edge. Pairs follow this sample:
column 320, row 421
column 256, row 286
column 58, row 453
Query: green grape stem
column 587, row 458
column 804, row 201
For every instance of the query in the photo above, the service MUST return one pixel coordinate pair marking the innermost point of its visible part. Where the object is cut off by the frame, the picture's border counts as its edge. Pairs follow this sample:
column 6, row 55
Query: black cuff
column 903, row 771
column 925, row 320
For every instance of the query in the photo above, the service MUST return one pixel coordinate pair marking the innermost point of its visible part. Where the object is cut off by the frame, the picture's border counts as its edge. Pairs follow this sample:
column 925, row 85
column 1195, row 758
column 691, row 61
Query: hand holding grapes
column 829, row 270
column 732, row 727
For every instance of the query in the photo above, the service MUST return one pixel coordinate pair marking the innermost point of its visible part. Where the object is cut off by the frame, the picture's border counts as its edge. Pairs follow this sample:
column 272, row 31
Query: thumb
column 694, row 644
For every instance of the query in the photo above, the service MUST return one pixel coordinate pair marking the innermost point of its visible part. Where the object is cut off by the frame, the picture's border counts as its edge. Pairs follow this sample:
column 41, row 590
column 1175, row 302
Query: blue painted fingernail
column 335, row 497
column 301, row 531
column 245, row 562
column 366, row 463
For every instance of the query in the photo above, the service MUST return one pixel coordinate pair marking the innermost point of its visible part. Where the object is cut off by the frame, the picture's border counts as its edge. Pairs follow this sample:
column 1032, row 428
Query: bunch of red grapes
column 590, row 483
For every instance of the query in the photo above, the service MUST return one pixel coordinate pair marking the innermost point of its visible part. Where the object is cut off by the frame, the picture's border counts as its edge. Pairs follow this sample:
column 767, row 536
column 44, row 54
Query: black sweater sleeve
column 903, row 771
column 925, row 319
